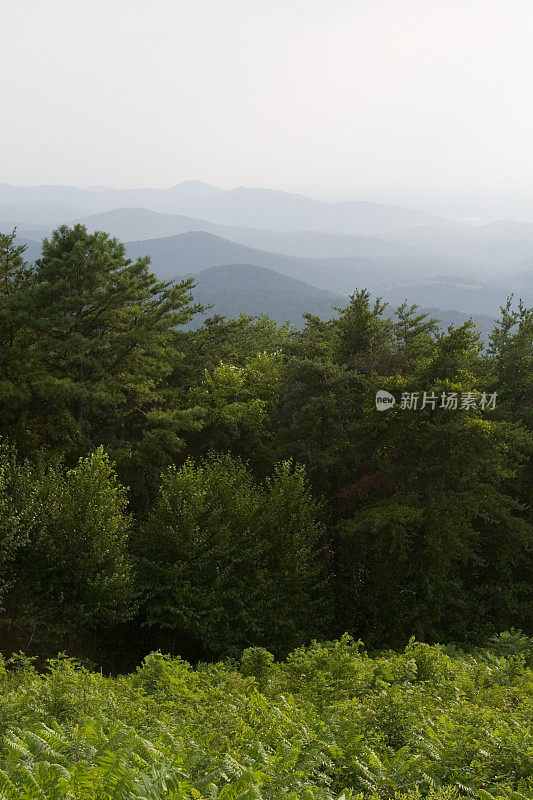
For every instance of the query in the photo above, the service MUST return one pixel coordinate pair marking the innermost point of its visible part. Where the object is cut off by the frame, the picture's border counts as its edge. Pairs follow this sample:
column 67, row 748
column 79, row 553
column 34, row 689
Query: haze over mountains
column 264, row 251
column 248, row 207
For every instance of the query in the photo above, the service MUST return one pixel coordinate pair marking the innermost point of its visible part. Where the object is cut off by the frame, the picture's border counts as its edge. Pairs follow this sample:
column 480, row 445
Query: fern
column 325, row 727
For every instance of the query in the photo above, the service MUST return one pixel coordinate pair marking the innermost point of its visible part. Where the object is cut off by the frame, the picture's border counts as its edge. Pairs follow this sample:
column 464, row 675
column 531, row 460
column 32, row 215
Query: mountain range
column 235, row 289
column 394, row 278
column 285, row 254
column 232, row 289
column 245, row 207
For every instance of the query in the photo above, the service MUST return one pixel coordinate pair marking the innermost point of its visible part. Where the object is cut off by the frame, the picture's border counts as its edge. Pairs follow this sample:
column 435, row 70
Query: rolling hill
column 421, row 280
column 199, row 249
column 479, row 252
column 129, row 224
column 235, row 289
column 264, row 208
column 241, row 207
column 134, row 224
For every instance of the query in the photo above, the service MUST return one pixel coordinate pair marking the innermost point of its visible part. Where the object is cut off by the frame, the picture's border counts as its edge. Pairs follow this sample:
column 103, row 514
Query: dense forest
column 203, row 491
column 232, row 496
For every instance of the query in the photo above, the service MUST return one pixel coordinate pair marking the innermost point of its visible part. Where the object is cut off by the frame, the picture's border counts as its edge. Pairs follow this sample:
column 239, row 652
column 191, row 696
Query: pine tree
column 101, row 331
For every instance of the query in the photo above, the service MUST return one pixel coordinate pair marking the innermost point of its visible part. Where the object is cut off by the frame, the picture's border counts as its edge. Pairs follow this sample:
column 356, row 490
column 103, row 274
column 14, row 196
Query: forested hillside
column 206, row 490
column 266, row 400
column 234, row 493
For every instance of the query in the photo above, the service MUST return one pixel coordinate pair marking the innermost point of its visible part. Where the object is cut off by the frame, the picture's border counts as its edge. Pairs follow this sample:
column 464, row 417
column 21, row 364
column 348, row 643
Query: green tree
column 235, row 406
column 318, row 406
column 102, row 331
column 17, row 505
column 17, row 355
column 414, row 334
column 436, row 541
column 362, row 337
column 229, row 341
column 230, row 561
column 511, row 363
column 73, row 573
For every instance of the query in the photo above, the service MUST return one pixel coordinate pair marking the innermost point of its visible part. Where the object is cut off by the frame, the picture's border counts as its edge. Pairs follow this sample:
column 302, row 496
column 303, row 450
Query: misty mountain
column 198, row 250
column 242, row 207
column 129, row 224
column 314, row 244
column 193, row 251
column 190, row 252
column 418, row 279
column 265, row 208
column 139, row 223
column 482, row 251
column 235, row 289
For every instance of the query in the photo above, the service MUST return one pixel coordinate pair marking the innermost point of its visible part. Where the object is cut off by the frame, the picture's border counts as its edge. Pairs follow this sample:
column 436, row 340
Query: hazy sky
column 399, row 100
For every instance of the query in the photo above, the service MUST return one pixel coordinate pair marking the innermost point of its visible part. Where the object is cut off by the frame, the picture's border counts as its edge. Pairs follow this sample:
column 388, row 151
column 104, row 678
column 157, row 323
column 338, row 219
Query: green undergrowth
column 330, row 721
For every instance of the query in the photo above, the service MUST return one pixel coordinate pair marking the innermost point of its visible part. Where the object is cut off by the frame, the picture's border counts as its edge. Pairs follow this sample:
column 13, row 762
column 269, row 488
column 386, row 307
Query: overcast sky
column 411, row 101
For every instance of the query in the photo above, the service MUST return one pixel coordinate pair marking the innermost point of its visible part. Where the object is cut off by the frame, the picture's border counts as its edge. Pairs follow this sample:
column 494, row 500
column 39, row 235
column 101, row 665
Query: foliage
column 71, row 571
column 235, row 488
column 331, row 722
column 236, row 404
column 429, row 511
column 229, row 560
column 91, row 338
column 17, row 503
column 288, row 507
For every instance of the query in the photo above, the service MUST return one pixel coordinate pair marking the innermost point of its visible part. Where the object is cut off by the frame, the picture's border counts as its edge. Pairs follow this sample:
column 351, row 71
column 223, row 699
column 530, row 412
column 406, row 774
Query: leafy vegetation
column 231, row 492
column 229, row 561
column 328, row 722
column 212, row 489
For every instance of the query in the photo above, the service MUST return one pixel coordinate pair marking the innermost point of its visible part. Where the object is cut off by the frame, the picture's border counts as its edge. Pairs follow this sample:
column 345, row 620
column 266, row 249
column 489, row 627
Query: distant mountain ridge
column 199, row 250
column 494, row 248
column 426, row 280
column 242, row 207
column 235, row 289
column 131, row 224
column 134, row 224
column 336, row 247
column 394, row 279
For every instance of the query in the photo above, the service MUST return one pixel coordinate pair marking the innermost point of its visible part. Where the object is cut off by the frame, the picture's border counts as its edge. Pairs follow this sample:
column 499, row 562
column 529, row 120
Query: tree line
column 206, row 490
